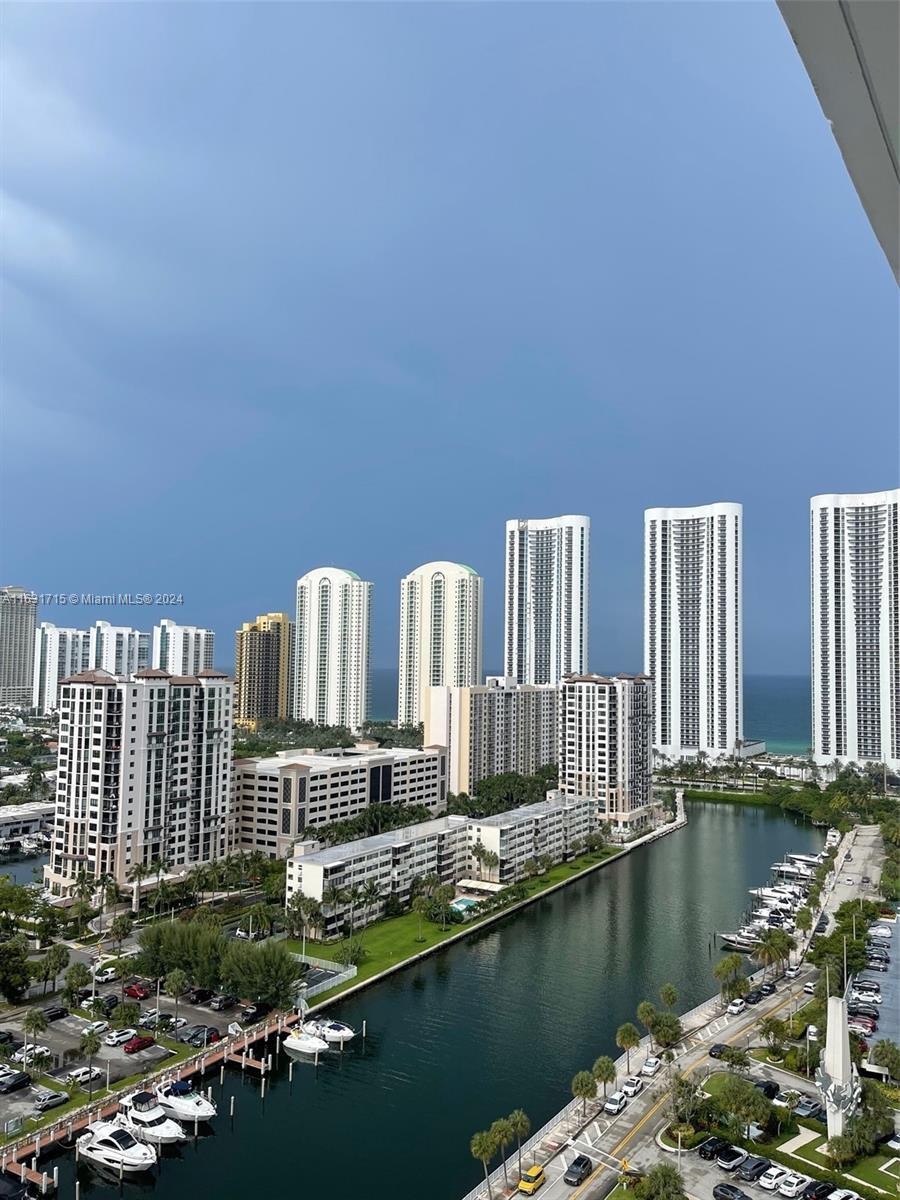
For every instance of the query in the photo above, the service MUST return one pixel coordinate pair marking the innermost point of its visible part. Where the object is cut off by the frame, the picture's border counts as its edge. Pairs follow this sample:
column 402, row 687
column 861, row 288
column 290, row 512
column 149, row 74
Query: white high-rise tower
column 331, row 648
column 440, row 634
column 693, row 628
column 855, row 551
column 57, row 653
column 182, row 649
column 547, row 594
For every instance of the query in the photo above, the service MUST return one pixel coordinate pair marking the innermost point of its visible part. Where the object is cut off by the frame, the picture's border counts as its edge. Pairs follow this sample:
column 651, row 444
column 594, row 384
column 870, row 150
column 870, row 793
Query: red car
column 137, row 991
column 138, row 1043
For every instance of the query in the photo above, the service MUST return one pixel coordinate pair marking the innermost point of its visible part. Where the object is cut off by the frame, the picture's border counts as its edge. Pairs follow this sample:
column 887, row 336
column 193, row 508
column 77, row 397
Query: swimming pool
column 462, row 903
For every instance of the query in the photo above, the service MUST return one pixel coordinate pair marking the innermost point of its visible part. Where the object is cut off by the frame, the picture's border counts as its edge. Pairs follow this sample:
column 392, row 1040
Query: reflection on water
column 499, row 1021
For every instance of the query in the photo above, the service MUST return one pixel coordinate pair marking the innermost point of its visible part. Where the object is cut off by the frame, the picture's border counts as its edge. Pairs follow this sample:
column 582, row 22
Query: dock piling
column 44, row 1184
column 291, row 1072
column 77, row 1190
column 364, row 1029
column 55, row 1178
column 222, row 1073
column 262, row 1090
column 231, row 1108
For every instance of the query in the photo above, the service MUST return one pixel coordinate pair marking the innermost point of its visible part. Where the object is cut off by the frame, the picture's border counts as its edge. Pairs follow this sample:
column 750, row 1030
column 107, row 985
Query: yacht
column 304, row 1043
column 108, row 1144
column 792, row 870
column 745, row 939
column 809, row 860
column 334, row 1032
column 180, row 1099
column 143, row 1115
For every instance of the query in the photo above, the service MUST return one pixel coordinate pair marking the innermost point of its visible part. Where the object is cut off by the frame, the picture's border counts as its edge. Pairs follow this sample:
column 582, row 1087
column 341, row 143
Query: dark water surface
column 500, row 1021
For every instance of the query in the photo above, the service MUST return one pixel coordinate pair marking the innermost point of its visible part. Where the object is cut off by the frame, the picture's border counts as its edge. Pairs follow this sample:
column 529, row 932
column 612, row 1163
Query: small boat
column 181, row 1100
column 304, row 1043
column 107, row 1144
column 809, row 860
column 144, row 1117
column 334, row 1032
column 791, row 870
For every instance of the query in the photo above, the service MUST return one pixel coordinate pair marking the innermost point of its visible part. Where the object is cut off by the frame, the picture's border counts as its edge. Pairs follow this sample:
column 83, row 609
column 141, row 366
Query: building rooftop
column 93, row 677
column 605, row 678
column 333, row 855
column 322, row 760
column 542, row 809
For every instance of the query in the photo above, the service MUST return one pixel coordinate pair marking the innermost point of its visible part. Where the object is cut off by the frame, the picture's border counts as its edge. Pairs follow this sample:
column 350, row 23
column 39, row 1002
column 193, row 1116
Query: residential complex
column 692, row 628
column 493, row 728
column 855, row 594
column 605, row 730
column 118, row 649
column 276, row 800
column 443, row 847
column 331, row 648
column 182, row 649
column 440, row 633
column 18, row 614
column 546, row 613
column 57, row 653
column 144, row 774
column 263, row 669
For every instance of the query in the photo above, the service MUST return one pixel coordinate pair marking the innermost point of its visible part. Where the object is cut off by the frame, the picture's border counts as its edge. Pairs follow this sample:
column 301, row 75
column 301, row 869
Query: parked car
column 55, row 1012
column 728, row 1191
column 874, row 964
column 105, row 974
column 615, row 1103
column 768, row 989
column 717, row 1049
column 45, row 1099
column 817, row 1190
column 731, row 1157
column 533, row 1179
column 712, row 1148
column 783, row 1099
column 771, row 1179
column 199, row 996
column 809, row 988
column 768, row 1087
column 753, row 997
column 865, row 994
column 880, row 931
column 859, row 1008
column 27, row 1054
column 791, row 972
column 137, row 991
column 633, row 1085
column 253, row 1012
column 108, row 1002
column 220, row 1003
column 736, row 1007
column 651, row 1066
column 82, row 1076
column 808, row 1108
column 189, row 1031
column 844, row 1194
column 752, row 1168
column 206, row 1035
column 118, row 1037
column 139, row 1042
column 14, row 1081
column 6, row 1037
column 96, row 1027
column 579, row 1169
column 793, row 1185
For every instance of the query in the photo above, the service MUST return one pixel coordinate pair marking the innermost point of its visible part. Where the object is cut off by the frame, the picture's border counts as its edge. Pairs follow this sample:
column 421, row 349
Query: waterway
column 21, row 870
column 501, row 1020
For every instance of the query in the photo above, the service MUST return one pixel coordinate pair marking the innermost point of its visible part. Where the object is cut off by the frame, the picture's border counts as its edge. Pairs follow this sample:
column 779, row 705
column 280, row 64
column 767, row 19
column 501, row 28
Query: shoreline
column 679, row 822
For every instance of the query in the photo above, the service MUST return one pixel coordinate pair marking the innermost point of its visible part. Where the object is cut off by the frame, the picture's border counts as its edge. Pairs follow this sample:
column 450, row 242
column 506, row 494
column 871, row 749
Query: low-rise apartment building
column 444, row 847
column 278, row 799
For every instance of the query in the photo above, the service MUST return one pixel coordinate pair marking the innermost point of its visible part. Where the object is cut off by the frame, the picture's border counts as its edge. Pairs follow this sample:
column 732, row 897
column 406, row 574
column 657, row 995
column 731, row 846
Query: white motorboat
column 791, row 870
column 143, row 1115
column 107, row 1144
column 304, row 1043
column 334, row 1032
column 181, row 1100
column 809, row 860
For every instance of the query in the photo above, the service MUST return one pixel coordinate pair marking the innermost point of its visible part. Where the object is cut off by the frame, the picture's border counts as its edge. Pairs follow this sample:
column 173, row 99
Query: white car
column 812, row 1033
column 83, row 1075
column 848, row 879
column 632, row 1085
column 792, row 972
column 96, row 1027
column 866, row 995
column 843, row 1194
column 809, row 988
column 771, row 1179
column 735, row 1007
column 783, row 1099
column 27, row 1054
column 118, row 1037
column 105, row 974
column 615, row 1103
column 881, row 931
column 651, row 1066
column 793, row 1185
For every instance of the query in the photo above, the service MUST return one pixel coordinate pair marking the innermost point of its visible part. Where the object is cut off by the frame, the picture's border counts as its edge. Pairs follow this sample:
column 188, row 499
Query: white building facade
column 331, row 648
column 546, row 612
column 855, row 619
column 118, row 649
column 496, row 727
column 277, row 800
column 182, row 649
column 18, row 616
column 144, row 774
column 440, row 634
column 58, row 652
column 693, row 641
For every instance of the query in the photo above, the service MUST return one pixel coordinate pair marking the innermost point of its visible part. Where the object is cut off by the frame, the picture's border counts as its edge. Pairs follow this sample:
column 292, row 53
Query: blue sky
column 293, row 285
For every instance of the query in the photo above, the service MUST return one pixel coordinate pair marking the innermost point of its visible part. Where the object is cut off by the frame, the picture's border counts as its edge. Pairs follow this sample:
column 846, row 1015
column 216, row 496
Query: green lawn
column 866, row 1169
column 392, row 941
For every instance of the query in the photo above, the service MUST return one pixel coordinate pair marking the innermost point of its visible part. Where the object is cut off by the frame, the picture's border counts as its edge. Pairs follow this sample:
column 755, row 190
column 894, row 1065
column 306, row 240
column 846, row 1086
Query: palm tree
column 33, row 1023
column 584, row 1088
column 520, row 1125
column 371, row 894
column 484, row 1147
column 119, row 929
column 668, row 995
column 176, row 984
column 137, row 873
column 502, row 1132
column 333, row 896
column 627, row 1039
column 430, row 883
column 766, row 951
column 420, row 906
column 56, row 960
column 259, row 914
column 106, row 885
column 725, row 971
column 646, row 1014
column 444, row 897
column 89, row 1047
column 353, row 896
column 604, row 1071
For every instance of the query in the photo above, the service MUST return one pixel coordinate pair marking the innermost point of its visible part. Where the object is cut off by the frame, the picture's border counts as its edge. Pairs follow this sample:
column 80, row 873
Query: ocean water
column 776, row 707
